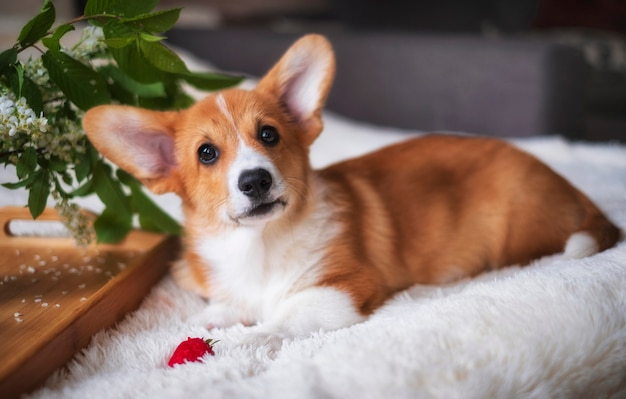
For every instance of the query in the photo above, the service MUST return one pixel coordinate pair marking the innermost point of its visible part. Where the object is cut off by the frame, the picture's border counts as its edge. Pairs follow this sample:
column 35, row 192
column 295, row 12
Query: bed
column 555, row 328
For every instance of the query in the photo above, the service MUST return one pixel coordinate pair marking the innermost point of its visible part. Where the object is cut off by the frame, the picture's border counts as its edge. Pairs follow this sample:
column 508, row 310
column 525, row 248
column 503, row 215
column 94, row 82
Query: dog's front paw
column 216, row 316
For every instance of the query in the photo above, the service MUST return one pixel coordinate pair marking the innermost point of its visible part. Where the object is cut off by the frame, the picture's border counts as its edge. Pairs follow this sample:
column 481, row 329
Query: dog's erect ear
column 302, row 80
column 137, row 140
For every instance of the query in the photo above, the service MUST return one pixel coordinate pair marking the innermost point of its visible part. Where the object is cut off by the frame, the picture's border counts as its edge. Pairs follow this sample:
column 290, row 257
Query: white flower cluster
column 74, row 220
column 20, row 127
column 90, row 45
column 36, row 72
column 64, row 138
column 16, row 116
column 56, row 133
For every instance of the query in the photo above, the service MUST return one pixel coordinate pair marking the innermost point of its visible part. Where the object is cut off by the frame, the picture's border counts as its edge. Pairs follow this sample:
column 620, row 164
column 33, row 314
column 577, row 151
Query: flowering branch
column 120, row 58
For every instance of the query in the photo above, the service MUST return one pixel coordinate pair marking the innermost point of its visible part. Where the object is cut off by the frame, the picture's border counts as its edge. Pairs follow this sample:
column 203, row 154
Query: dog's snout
column 255, row 183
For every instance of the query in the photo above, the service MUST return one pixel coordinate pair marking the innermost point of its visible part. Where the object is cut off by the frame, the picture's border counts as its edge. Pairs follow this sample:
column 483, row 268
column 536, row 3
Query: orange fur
column 429, row 210
column 439, row 208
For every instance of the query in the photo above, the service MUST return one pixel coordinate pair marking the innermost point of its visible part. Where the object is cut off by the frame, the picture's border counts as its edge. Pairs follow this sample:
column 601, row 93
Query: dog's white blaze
column 221, row 104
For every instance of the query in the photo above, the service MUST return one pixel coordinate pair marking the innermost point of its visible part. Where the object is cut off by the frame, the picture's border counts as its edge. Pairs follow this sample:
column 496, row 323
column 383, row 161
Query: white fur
column 580, row 245
column 313, row 309
column 261, row 274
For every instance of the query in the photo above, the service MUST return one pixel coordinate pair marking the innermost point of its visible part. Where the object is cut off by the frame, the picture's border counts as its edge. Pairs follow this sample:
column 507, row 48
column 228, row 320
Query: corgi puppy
column 273, row 243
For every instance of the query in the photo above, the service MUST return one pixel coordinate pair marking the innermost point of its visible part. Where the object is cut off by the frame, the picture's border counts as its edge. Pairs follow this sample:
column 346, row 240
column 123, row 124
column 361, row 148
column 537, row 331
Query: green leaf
column 151, row 217
column 4, row 157
column 53, row 43
column 84, row 190
column 118, row 35
column 93, row 155
column 176, row 99
column 55, row 164
column 119, row 42
column 147, row 90
column 150, row 38
column 57, row 184
column 82, row 166
column 162, row 57
column 183, row 101
column 118, row 30
column 111, row 226
column 28, row 182
column 126, row 178
column 130, row 60
column 39, row 26
column 67, row 179
column 110, row 190
column 27, row 163
column 16, row 79
column 39, row 192
column 210, row 81
column 159, row 21
column 121, row 95
column 81, row 84
column 33, row 96
column 7, row 59
column 122, row 8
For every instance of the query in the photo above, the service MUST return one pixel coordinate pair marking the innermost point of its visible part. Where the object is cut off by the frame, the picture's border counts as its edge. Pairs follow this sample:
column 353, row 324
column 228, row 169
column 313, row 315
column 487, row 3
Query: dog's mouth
column 262, row 209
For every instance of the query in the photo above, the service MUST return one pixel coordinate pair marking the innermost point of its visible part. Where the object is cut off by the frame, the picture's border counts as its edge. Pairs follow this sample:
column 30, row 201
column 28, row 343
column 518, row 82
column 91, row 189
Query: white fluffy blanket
column 555, row 329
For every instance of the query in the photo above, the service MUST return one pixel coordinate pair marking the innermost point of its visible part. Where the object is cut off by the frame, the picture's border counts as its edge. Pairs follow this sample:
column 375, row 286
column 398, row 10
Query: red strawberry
column 191, row 351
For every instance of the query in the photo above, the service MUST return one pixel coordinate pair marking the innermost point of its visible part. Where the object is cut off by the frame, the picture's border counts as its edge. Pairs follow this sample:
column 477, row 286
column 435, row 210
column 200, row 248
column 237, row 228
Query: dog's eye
column 268, row 135
column 207, row 154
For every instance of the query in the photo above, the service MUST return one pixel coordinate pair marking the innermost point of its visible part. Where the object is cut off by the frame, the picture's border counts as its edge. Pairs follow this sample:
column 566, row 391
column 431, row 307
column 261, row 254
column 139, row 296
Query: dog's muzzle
column 256, row 184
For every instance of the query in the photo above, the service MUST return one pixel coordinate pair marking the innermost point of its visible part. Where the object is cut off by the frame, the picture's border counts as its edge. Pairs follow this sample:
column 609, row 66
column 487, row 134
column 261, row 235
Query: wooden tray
column 54, row 295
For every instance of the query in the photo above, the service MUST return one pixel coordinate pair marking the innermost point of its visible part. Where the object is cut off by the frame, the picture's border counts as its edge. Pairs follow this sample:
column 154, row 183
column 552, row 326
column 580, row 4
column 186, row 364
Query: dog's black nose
column 254, row 183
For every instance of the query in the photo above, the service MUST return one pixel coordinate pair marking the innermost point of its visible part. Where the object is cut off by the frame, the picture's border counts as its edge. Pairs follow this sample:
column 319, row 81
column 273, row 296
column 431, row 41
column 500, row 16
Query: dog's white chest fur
column 254, row 269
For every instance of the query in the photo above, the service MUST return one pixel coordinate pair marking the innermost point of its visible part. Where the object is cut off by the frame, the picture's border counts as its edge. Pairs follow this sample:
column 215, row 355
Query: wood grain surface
column 54, row 295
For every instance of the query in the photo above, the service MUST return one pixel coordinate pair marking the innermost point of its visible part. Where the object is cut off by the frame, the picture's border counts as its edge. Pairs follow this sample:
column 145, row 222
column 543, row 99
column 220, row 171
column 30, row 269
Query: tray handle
column 15, row 213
